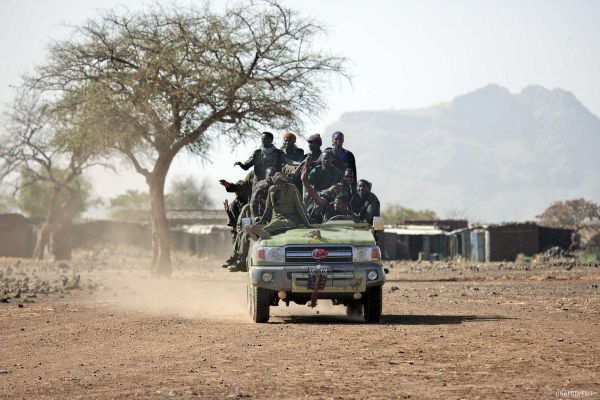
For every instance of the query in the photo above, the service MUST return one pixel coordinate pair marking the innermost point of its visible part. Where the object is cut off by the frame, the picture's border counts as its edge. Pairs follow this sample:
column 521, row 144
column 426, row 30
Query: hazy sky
column 404, row 54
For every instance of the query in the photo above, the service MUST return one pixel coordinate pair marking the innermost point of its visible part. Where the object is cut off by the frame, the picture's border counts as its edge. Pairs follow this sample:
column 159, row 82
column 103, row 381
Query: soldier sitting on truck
column 242, row 190
column 254, row 210
column 328, row 203
column 369, row 206
column 325, row 175
column 283, row 209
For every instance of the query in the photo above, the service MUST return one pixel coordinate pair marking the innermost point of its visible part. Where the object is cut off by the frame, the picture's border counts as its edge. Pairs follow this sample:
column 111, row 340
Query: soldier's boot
column 230, row 261
column 240, row 266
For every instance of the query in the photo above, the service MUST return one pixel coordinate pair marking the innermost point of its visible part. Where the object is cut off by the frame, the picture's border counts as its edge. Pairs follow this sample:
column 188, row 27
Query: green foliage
column 134, row 205
column 7, row 203
column 587, row 257
column 35, row 195
column 188, row 194
column 397, row 214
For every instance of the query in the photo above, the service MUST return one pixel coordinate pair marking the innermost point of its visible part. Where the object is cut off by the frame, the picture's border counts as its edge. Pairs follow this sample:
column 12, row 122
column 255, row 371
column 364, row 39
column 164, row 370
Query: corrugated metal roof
column 199, row 229
column 415, row 230
column 196, row 214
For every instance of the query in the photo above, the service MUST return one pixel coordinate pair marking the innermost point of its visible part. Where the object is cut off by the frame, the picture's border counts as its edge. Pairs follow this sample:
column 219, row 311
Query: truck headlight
column 270, row 254
column 372, row 275
column 366, row 253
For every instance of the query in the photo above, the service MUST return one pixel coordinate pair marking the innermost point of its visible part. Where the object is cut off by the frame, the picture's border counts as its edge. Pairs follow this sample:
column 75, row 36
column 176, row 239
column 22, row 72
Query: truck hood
column 357, row 235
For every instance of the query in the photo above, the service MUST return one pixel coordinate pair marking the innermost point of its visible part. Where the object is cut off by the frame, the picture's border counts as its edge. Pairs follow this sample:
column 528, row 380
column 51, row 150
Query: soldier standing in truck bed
column 290, row 149
column 264, row 157
column 342, row 158
column 314, row 151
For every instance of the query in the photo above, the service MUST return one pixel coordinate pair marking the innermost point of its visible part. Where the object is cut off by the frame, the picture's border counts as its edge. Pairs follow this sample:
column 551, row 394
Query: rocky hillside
column 496, row 155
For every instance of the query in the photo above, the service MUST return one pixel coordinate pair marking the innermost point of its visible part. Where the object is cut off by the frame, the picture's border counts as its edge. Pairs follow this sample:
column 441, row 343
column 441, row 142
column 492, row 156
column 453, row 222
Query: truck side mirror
column 378, row 223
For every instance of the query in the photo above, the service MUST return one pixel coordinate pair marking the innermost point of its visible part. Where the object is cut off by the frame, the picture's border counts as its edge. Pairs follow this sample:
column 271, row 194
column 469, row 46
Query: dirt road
column 448, row 331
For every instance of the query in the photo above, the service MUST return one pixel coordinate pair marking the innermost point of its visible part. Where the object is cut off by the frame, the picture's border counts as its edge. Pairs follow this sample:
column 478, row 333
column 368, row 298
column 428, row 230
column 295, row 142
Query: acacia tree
column 576, row 214
column 30, row 157
column 152, row 83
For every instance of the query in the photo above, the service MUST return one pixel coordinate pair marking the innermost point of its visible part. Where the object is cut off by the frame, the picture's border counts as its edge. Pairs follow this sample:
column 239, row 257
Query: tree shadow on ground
column 390, row 319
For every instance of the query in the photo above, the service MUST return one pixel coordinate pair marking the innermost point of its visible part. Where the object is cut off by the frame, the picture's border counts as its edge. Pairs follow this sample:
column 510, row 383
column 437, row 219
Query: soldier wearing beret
column 290, row 149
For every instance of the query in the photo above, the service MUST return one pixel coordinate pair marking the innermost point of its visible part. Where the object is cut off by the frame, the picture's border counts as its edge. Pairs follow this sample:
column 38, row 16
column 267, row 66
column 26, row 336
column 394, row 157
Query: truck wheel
column 373, row 304
column 260, row 304
column 249, row 297
column 354, row 309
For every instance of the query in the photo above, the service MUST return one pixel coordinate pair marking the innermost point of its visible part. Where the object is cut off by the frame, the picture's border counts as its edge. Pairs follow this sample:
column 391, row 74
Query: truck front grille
column 303, row 254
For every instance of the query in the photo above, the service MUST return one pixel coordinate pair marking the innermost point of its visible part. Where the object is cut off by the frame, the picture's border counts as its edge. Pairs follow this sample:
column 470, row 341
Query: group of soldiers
column 287, row 187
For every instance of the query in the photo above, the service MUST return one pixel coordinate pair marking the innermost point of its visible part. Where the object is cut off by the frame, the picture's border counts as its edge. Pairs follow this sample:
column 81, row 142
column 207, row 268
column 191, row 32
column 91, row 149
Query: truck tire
column 373, row 304
column 354, row 309
column 260, row 304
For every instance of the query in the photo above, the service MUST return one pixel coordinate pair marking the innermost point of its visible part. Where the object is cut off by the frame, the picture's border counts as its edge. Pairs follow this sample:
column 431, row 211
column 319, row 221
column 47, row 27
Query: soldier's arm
column 309, row 188
column 268, row 208
column 298, row 204
column 255, row 201
column 352, row 165
column 288, row 161
column 376, row 208
column 249, row 163
column 312, row 175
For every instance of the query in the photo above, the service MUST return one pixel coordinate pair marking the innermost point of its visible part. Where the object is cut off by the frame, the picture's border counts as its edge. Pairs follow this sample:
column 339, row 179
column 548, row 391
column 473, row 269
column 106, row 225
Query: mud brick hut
column 503, row 242
column 405, row 242
column 552, row 237
column 16, row 236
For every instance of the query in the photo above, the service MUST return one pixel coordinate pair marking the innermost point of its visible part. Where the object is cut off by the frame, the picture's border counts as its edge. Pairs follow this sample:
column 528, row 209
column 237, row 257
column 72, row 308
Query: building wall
column 551, row 237
column 477, row 241
column 216, row 242
column 16, row 236
column 506, row 242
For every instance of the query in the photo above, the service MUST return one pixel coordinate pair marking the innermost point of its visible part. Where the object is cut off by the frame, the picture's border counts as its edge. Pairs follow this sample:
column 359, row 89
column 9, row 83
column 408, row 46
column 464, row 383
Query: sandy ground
column 449, row 331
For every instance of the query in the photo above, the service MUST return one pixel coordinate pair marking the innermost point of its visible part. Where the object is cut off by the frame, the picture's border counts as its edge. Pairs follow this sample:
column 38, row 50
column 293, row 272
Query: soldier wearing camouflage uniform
column 284, row 207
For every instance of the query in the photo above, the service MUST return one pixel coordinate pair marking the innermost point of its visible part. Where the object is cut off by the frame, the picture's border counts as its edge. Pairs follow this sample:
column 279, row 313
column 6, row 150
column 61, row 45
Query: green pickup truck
column 337, row 260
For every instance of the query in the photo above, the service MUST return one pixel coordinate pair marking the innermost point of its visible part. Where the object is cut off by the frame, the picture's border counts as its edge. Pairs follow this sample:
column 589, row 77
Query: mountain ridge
column 500, row 156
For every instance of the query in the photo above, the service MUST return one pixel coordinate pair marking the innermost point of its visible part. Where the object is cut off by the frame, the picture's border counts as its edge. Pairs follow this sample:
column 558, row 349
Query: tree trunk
column 44, row 233
column 41, row 241
column 61, row 241
column 161, row 245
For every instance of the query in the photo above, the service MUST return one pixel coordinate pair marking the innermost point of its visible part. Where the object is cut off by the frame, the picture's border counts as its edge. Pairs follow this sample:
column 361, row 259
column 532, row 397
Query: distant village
column 204, row 232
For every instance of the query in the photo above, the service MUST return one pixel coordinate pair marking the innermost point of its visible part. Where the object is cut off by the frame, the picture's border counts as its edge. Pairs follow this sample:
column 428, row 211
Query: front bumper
column 339, row 278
